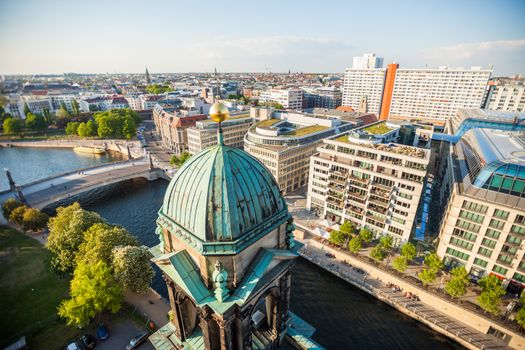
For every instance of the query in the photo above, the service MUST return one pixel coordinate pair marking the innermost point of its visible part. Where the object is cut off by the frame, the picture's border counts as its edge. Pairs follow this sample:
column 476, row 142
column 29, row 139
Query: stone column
column 225, row 334
column 175, row 301
column 211, row 341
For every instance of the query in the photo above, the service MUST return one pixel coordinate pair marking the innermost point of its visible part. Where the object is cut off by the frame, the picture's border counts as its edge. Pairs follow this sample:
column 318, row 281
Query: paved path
column 151, row 305
column 120, row 334
column 376, row 287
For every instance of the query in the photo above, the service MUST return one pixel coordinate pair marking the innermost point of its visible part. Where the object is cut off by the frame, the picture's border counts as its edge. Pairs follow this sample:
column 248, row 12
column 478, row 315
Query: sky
column 109, row 36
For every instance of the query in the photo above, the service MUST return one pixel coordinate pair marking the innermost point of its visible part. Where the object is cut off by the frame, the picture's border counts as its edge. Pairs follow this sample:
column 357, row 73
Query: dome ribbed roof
column 221, row 193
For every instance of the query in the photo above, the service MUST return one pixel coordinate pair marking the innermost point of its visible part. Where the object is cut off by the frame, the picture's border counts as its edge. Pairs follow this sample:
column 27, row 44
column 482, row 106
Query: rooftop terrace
column 378, row 129
column 389, row 147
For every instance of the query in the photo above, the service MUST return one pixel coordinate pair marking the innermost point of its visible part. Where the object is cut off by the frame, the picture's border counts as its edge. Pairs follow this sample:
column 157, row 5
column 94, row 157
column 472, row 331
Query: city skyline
column 104, row 37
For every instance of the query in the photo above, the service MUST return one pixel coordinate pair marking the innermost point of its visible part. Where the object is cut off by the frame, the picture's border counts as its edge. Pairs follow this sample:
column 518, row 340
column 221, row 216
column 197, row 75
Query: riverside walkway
column 461, row 332
column 40, row 193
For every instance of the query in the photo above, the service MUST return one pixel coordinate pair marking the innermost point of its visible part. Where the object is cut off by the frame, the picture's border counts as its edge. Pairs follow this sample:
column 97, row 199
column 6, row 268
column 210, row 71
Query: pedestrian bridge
column 516, row 124
column 43, row 192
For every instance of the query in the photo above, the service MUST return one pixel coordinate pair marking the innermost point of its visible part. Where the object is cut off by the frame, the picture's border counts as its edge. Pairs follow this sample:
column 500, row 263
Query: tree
column 386, row 241
column 427, row 276
column 433, row 262
column 337, row 237
column 520, row 317
column 93, row 289
column 17, row 215
column 129, row 129
column 26, row 109
column 366, row 235
column 132, row 268
column 408, row 250
column 457, row 286
column 117, row 123
column 158, row 89
column 355, row 244
column 178, row 161
column 75, row 107
column 35, row 122
column 12, row 125
column 490, row 297
column 47, row 116
column 400, row 263
column 64, row 108
column 347, row 228
column 72, row 128
column 489, row 283
column 87, row 129
column 99, row 241
column 66, row 234
column 34, row 220
column 377, row 253
column 9, row 205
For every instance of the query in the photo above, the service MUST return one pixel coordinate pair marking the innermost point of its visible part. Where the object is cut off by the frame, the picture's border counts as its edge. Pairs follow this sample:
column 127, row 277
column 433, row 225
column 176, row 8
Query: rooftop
column 306, row 130
column 378, row 129
column 389, row 147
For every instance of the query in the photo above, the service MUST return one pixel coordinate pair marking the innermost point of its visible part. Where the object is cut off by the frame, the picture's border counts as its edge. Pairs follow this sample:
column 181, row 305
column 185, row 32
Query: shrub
column 34, row 220
column 9, row 205
column 400, row 263
column 17, row 215
column 377, row 253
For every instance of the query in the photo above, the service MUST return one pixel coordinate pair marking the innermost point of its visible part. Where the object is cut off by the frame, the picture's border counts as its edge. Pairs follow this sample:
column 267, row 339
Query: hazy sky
column 56, row 36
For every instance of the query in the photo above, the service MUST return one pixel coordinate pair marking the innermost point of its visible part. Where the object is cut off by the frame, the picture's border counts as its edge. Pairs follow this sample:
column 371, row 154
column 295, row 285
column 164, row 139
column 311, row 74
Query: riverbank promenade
column 390, row 291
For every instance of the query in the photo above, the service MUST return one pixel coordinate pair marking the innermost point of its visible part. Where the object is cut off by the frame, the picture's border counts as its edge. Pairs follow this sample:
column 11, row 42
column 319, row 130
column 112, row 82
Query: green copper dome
column 222, row 193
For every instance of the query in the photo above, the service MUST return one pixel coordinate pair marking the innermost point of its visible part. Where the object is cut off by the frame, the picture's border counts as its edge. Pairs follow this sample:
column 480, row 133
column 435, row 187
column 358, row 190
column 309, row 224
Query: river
column 344, row 316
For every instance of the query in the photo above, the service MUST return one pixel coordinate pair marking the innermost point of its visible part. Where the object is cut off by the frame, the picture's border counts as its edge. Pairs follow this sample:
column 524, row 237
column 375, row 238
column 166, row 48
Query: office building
column 484, row 224
column 328, row 97
column 288, row 98
column 364, row 177
column 506, row 94
column 285, row 143
column 406, row 94
column 368, row 60
column 204, row 134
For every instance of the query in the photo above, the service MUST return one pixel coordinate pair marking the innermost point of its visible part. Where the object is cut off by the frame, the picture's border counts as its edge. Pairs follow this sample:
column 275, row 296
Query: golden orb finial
column 219, row 112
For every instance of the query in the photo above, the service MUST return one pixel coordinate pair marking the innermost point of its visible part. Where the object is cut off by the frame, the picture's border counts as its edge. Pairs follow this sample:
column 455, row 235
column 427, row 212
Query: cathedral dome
column 221, row 194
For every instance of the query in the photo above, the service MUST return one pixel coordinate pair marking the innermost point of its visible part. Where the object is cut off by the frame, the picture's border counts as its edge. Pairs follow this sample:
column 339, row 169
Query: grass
column 30, row 291
column 378, row 129
column 267, row 123
column 342, row 138
column 306, row 130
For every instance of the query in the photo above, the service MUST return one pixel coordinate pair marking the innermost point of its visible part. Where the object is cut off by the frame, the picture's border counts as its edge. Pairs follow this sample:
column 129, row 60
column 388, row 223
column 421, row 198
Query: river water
column 344, row 316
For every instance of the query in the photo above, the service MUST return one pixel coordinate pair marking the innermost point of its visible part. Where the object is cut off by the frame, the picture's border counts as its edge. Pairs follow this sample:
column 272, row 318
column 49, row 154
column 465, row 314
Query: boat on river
column 89, row 149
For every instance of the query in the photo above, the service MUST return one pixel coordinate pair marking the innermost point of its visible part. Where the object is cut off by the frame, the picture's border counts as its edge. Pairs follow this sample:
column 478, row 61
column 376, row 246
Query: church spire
column 148, row 80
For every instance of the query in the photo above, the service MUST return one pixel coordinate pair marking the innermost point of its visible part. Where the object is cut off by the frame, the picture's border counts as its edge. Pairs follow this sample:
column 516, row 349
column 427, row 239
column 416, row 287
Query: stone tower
column 225, row 238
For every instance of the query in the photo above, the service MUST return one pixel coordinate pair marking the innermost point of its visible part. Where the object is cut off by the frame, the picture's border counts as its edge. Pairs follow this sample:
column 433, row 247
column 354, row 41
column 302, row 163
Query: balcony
column 378, row 202
column 358, row 179
column 382, row 187
column 337, row 180
column 373, row 216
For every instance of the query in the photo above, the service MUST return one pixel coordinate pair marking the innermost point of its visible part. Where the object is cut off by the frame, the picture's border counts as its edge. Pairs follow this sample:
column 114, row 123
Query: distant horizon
column 103, row 36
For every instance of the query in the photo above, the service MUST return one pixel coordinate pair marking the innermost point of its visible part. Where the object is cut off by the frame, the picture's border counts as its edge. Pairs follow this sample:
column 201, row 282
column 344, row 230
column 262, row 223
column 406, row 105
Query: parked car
column 88, row 341
column 72, row 346
column 102, row 332
column 137, row 340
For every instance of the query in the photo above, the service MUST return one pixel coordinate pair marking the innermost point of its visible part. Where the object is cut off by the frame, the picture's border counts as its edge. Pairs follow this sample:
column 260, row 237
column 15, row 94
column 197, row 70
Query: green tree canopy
column 34, row 220
column 26, row 109
column 75, row 107
column 158, row 88
column 377, row 253
column 520, row 317
column 386, row 241
column 93, row 289
column 132, row 268
column 489, row 283
column 366, row 235
column 12, row 125
column 457, row 285
column 35, row 122
column 490, row 301
column 87, row 129
column 400, row 263
column 117, row 123
column 355, row 244
column 66, row 234
column 17, row 215
column 9, row 205
column 72, row 128
column 348, row 227
column 433, row 262
column 178, row 161
column 408, row 250
column 427, row 276
column 337, row 237
column 99, row 241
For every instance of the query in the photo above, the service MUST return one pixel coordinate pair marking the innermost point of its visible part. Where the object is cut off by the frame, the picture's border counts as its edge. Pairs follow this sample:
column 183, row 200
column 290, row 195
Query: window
column 496, row 224
column 517, row 229
column 505, row 259
column 492, row 233
column 471, row 216
column 513, row 240
column 480, row 262
column 499, row 269
column 485, row 252
column 519, row 277
column 502, row 214
column 488, row 243
column 457, row 254
column 464, row 234
column 467, row 226
column 478, row 208
column 461, row 243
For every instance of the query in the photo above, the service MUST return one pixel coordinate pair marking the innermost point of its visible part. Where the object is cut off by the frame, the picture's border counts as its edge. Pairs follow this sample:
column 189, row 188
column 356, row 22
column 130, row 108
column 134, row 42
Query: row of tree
column 104, row 260
column 115, row 123
column 30, row 219
column 158, row 88
column 178, row 161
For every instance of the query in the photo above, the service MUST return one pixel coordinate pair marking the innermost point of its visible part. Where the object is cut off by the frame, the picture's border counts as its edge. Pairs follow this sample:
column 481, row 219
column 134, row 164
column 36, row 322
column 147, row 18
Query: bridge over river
column 43, row 192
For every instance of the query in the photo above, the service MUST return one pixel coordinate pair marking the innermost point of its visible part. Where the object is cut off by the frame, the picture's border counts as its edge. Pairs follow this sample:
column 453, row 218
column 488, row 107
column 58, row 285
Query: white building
column 288, row 98
column 437, row 93
column 364, row 83
column 365, row 178
column 368, row 60
column 506, row 94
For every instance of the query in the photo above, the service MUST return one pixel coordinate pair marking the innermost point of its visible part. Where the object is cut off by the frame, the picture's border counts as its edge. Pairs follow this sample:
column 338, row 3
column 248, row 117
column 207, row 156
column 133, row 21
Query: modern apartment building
column 483, row 228
column 364, row 177
column 506, row 94
column 288, row 98
column 368, row 60
column 424, row 94
column 364, row 85
column 328, row 97
column 204, row 133
column 172, row 121
column 285, row 143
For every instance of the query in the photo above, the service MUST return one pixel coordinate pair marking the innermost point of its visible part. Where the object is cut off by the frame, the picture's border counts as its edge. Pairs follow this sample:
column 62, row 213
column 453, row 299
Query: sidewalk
column 151, row 305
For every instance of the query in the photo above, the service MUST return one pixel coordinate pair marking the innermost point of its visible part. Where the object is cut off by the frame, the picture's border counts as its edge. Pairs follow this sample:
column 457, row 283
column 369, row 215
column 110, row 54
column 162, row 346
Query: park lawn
column 30, row 291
